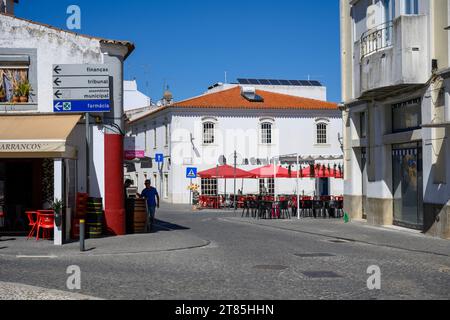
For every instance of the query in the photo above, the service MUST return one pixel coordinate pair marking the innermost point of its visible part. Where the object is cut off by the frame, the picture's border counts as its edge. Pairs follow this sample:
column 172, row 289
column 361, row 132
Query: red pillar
column 114, row 192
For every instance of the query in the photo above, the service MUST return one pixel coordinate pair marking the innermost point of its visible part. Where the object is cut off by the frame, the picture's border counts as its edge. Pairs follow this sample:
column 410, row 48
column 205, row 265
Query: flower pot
column 15, row 99
column 23, row 99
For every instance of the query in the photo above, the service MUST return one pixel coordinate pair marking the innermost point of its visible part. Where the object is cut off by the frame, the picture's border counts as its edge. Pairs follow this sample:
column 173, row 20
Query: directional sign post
column 191, row 173
column 81, row 88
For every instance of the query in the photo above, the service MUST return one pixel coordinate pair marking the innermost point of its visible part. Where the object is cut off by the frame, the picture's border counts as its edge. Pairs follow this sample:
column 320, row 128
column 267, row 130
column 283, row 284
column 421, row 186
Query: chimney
column 7, row 6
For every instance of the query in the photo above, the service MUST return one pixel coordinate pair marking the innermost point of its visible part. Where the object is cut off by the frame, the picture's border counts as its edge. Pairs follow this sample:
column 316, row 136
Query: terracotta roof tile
column 232, row 98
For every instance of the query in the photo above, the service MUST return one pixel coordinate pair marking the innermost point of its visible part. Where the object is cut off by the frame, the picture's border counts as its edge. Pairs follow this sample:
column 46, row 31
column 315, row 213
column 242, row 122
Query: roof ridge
column 126, row 43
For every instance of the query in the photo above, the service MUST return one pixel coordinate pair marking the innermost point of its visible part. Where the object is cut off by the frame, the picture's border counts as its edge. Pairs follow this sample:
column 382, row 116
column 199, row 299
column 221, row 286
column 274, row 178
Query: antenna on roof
column 225, row 77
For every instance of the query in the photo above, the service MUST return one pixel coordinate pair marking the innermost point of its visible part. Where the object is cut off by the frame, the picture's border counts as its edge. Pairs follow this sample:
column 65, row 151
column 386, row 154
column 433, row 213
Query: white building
column 133, row 99
column 395, row 60
column 43, row 154
column 259, row 125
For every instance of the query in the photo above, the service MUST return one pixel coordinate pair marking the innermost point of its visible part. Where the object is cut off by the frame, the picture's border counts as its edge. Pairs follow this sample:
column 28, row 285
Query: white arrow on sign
column 81, row 82
column 80, row 70
column 58, row 106
column 81, row 94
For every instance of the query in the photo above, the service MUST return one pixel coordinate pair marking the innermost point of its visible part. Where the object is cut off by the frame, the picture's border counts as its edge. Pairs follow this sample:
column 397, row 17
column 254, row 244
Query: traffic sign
column 80, row 70
column 81, row 82
column 191, row 173
column 81, row 94
column 81, row 88
column 81, row 106
column 159, row 158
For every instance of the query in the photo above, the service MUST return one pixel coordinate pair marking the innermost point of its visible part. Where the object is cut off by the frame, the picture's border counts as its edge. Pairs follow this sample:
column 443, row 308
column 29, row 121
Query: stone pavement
column 16, row 291
column 356, row 231
column 165, row 237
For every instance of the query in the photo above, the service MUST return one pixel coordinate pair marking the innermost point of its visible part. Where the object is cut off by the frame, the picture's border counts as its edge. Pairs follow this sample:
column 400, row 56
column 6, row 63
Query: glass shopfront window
column 408, row 185
column 407, row 115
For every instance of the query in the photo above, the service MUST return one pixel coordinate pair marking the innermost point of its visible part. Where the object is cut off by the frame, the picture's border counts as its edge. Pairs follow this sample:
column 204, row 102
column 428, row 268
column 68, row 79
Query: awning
column 225, row 172
column 36, row 136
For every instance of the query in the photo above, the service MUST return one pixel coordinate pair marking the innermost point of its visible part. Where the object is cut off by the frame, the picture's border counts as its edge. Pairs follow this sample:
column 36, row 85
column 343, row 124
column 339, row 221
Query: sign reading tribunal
column 81, row 88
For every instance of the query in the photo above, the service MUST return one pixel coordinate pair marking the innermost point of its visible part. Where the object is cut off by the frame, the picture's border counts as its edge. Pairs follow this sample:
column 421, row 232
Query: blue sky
column 189, row 44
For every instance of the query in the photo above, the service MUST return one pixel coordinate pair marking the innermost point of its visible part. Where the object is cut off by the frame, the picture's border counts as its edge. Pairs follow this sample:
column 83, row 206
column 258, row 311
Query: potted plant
column 15, row 93
column 57, row 206
column 24, row 90
column 2, row 94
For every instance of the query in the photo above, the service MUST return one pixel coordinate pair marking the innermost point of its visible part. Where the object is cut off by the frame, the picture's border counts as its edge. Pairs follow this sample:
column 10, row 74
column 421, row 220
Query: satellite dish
column 222, row 160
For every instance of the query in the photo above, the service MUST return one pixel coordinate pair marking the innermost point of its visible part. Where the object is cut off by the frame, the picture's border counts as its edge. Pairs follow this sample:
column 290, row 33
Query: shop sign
column 32, row 147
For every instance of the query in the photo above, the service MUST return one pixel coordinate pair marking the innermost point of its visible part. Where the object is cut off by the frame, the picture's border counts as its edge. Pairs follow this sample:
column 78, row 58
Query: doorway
column 408, row 185
column 25, row 184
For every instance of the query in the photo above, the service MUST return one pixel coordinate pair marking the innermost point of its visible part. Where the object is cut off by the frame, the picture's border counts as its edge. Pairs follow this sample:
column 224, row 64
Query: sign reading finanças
column 81, row 88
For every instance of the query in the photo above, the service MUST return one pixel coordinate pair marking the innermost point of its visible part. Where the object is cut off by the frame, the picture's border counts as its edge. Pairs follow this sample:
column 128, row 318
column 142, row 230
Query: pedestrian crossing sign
column 191, row 173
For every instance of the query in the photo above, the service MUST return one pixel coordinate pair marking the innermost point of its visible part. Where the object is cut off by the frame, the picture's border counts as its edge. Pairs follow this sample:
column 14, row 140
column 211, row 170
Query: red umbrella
column 224, row 172
column 270, row 170
column 321, row 172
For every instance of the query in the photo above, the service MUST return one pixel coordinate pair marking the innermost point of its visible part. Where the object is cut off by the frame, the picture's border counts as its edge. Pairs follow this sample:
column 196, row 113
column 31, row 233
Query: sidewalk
column 17, row 291
column 357, row 231
column 165, row 237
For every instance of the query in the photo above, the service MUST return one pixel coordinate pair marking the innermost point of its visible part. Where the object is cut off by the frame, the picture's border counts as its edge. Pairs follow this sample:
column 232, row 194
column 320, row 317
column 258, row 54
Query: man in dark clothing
column 152, row 197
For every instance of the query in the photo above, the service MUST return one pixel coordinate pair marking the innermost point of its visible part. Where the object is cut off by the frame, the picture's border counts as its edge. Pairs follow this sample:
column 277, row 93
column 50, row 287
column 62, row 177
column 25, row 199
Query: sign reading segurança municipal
column 81, row 88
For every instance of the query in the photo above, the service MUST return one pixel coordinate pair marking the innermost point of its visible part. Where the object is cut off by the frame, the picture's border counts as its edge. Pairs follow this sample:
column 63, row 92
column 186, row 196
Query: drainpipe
column 114, row 151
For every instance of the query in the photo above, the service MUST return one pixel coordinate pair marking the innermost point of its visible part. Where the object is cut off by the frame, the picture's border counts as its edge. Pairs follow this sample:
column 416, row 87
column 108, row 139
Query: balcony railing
column 377, row 38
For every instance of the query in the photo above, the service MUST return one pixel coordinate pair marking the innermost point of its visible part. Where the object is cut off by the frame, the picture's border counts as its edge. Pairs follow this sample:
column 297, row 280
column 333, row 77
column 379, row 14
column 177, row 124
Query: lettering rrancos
column 20, row 147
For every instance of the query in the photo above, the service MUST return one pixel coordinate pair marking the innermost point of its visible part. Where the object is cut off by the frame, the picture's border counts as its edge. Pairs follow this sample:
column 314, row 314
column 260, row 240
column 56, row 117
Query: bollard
column 82, row 233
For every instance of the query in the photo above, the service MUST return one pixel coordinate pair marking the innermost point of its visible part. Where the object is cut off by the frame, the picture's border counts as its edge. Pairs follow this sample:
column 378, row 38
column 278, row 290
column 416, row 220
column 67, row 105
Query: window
column 208, row 133
column 209, row 187
column 267, row 186
column 145, row 139
column 411, row 6
column 406, row 115
column 362, row 125
column 321, row 134
column 155, row 139
column 166, row 135
column 166, row 185
column 266, row 133
column 16, row 68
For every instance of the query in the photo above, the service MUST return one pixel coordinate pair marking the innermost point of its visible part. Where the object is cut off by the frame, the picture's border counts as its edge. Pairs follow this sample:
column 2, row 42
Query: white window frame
column 266, row 130
column 209, row 133
column 320, row 122
column 209, row 187
column 155, row 139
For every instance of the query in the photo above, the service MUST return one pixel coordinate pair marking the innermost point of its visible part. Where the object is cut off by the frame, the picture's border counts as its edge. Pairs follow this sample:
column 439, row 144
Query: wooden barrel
column 140, row 216
column 95, row 218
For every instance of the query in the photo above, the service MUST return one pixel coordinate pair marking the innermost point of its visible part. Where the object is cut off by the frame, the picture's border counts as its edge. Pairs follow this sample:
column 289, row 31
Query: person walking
column 151, row 195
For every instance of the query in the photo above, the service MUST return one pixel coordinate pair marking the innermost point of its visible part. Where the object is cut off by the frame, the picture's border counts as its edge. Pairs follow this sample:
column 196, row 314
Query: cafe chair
column 47, row 223
column 33, row 221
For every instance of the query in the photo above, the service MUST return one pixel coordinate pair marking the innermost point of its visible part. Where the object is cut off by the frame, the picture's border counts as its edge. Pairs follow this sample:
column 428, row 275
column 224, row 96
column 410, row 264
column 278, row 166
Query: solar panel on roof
column 305, row 83
column 285, row 82
column 243, row 81
column 253, row 81
column 264, row 82
column 274, row 82
column 295, row 82
column 316, row 83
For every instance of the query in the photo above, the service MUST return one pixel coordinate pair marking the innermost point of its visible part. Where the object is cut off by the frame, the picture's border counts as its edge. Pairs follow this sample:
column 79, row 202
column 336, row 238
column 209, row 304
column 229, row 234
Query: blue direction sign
column 191, row 173
column 81, row 106
column 159, row 158
column 81, row 88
